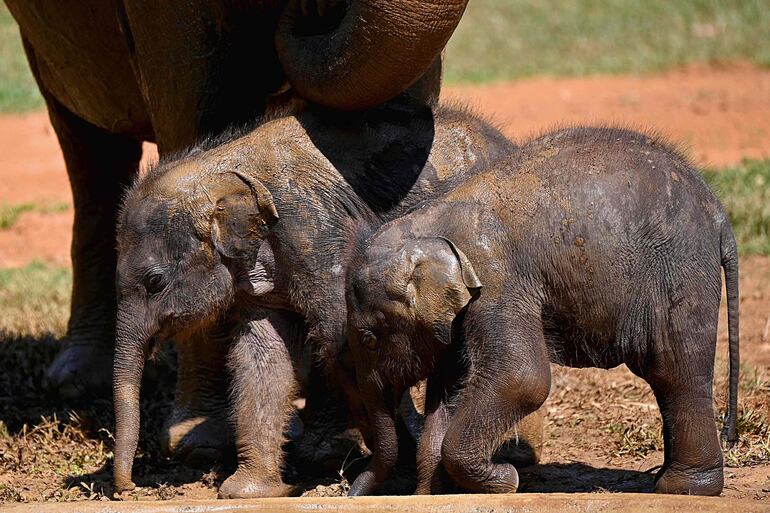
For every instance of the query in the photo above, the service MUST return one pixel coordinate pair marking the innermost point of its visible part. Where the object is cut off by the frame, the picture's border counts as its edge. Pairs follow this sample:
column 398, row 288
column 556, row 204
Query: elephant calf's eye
column 154, row 283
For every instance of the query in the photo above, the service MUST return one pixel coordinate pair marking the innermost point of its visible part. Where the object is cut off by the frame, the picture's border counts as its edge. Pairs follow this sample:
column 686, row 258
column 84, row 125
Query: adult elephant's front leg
column 100, row 165
column 198, row 431
column 262, row 389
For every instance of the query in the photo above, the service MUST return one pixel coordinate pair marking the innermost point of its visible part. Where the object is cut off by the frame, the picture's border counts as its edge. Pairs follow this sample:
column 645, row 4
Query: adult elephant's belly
column 82, row 59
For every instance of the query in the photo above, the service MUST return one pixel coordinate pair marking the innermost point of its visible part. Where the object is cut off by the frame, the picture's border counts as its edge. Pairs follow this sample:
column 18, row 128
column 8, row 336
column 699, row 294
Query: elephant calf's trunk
column 127, row 376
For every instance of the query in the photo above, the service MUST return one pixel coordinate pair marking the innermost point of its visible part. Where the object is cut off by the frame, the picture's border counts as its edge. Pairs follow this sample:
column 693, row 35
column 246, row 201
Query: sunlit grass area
column 18, row 91
column 508, row 39
column 11, row 212
column 745, row 192
column 34, row 300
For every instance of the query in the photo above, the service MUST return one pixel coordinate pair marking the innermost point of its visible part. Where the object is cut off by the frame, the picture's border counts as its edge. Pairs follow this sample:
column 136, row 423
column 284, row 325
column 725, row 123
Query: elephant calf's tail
column 730, row 265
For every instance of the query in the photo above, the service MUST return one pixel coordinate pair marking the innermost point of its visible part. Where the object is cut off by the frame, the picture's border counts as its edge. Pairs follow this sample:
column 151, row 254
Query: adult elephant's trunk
column 127, row 376
column 377, row 51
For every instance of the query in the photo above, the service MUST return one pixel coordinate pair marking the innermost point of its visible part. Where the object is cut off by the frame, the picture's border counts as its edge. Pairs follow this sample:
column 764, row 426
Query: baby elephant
column 589, row 247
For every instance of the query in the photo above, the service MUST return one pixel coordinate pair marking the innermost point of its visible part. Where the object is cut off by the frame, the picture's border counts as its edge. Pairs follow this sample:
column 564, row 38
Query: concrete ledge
column 521, row 503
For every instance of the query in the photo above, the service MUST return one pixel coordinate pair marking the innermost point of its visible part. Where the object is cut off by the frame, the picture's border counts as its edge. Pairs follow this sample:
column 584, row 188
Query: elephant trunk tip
column 123, row 483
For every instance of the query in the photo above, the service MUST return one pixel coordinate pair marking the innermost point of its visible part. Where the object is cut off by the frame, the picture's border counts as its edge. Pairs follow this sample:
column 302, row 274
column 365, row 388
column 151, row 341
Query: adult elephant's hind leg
column 262, row 389
column 100, row 165
column 510, row 379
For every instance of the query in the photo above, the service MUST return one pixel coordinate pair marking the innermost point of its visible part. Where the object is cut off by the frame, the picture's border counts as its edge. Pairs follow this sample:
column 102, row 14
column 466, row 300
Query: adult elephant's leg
column 202, row 73
column 100, row 165
column 198, row 431
column 262, row 389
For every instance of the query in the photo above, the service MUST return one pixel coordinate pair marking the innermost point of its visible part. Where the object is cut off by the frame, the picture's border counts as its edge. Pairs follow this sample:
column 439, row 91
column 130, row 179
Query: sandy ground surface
column 602, row 426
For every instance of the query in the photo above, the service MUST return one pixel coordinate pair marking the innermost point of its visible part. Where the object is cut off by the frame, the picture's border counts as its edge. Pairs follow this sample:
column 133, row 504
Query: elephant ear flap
column 470, row 279
column 264, row 198
column 235, row 227
column 242, row 219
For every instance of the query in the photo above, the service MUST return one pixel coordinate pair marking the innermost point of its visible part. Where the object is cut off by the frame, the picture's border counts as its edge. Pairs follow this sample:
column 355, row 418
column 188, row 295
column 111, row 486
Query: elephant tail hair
column 729, row 252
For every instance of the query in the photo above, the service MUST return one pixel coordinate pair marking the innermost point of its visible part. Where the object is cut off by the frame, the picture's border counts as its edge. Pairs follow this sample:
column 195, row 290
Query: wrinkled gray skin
column 588, row 247
column 269, row 220
column 115, row 73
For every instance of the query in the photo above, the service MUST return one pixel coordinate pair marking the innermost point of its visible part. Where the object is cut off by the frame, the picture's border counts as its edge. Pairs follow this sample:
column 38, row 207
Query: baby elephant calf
column 589, row 247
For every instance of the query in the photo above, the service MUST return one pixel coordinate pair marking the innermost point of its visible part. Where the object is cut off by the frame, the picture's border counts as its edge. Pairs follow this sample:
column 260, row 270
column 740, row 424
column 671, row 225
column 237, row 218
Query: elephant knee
column 527, row 391
column 461, row 464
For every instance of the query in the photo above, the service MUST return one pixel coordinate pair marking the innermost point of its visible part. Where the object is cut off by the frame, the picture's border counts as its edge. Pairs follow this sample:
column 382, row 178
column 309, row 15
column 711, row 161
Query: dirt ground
column 603, row 429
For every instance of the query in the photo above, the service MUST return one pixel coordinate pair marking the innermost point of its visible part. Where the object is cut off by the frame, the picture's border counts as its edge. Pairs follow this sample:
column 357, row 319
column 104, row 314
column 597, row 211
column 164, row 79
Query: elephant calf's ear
column 242, row 218
column 470, row 279
column 236, row 227
column 264, row 198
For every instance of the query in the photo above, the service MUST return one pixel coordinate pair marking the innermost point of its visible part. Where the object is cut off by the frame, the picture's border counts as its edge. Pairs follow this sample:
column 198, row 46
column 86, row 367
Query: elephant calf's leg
column 100, row 165
column 693, row 457
column 680, row 372
column 431, row 477
column 507, row 384
column 262, row 390
column 441, row 386
column 324, row 448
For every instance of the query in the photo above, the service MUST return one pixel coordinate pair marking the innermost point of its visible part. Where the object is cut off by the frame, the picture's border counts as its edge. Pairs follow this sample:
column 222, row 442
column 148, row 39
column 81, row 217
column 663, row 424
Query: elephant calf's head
column 403, row 300
column 191, row 234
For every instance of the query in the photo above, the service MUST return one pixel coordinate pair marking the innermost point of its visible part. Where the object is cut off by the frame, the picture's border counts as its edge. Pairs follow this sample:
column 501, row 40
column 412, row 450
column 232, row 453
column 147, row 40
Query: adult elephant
column 116, row 73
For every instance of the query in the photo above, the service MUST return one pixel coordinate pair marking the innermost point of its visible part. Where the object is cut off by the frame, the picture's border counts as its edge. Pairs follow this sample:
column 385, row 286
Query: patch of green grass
column 18, row 90
column 54, row 208
column 507, row 39
column 10, row 213
column 34, row 300
column 745, row 192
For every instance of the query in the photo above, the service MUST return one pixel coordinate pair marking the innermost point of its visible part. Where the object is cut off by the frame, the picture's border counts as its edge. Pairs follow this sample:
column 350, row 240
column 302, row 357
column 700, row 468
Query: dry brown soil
column 602, row 426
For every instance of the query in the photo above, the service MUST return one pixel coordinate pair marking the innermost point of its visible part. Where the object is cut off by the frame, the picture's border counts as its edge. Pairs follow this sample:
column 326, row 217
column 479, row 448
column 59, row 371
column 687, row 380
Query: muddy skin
column 105, row 68
column 590, row 247
column 268, row 220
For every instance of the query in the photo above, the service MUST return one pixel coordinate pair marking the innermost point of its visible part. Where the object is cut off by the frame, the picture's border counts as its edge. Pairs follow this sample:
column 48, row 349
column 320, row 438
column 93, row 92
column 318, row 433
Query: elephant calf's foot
column 678, row 479
column 198, row 441
column 483, row 477
column 244, row 485
column 81, row 369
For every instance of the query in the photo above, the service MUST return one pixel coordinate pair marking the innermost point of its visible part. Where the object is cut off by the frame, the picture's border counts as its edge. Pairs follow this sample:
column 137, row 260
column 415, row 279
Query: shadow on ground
column 579, row 477
column 50, row 445
column 55, row 450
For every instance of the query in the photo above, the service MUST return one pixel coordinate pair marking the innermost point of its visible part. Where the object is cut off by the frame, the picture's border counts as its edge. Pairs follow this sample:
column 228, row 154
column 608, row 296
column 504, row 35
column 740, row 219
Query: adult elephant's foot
column 246, row 484
column 81, row 369
column 199, row 441
column 678, row 479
